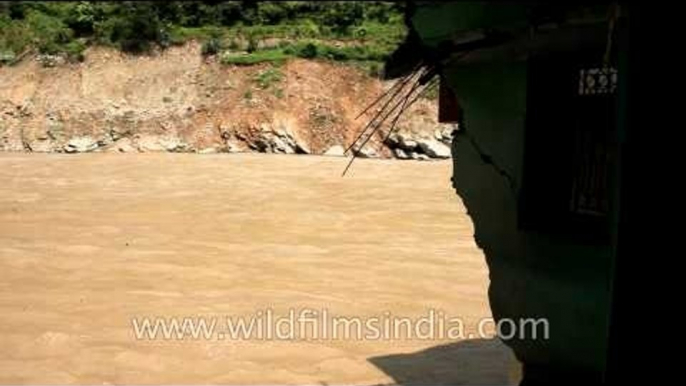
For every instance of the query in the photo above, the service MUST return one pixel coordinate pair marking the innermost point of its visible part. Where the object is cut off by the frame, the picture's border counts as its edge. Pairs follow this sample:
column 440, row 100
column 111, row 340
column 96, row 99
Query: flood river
column 92, row 245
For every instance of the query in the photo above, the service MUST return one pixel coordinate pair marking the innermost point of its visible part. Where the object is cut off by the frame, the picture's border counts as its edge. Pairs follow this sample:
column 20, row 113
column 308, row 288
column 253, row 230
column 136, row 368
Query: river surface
column 92, row 244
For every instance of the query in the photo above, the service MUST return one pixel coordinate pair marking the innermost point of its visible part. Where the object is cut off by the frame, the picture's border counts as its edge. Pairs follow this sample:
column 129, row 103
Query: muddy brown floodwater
column 90, row 244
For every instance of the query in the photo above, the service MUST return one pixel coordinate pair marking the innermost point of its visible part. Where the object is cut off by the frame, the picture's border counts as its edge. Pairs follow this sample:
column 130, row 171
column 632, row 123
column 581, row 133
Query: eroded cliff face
column 179, row 101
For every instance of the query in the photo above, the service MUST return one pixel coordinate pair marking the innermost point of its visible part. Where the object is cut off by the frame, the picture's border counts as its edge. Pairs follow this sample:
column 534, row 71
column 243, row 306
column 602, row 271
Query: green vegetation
column 369, row 58
column 271, row 56
column 432, row 93
column 268, row 77
column 241, row 32
column 211, row 47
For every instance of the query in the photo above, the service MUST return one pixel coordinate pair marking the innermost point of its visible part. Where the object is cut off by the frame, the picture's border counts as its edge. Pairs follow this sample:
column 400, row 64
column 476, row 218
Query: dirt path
column 89, row 242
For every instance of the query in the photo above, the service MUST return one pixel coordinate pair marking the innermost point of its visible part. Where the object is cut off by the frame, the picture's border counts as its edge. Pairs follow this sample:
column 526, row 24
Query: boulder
column 172, row 144
column 335, row 151
column 366, row 152
column 293, row 140
column 282, row 133
column 400, row 154
column 280, row 145
column 51, row 60
column 392, row 141
column 80, row 145
column 262, row 145
column 209, row 150
column 302, row 148
column 447, row 134
column 434, row 149
column 153, row 143
column 406, row 143
column 232, row 147
column 148, row 143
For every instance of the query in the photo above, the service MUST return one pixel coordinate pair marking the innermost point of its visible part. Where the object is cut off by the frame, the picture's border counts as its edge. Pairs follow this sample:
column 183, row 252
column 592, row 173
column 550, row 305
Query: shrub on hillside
column 15, row 36
column 211, row 47
column 307, row 51
column 342, row 15
column 81, row 17
column 74, row 50
column 136, row 26
column 7, row 57
column 48, row 33
column 271, row 13
column 133, row 28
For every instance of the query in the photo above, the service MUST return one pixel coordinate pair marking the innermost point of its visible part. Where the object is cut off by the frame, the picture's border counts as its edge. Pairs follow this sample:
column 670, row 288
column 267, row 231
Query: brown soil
column 181, row 95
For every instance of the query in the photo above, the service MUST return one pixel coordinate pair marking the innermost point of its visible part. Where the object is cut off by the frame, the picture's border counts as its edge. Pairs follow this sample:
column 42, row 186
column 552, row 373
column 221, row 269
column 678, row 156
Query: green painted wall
column 439, row 21
column 532, row 275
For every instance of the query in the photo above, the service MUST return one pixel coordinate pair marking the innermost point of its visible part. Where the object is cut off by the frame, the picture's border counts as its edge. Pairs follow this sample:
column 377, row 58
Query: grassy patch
column 371, row 67
column 432, row 94
column 180, row 35
column 242, row 59
column 368, row 57
column 267, row 78
column 356, row 52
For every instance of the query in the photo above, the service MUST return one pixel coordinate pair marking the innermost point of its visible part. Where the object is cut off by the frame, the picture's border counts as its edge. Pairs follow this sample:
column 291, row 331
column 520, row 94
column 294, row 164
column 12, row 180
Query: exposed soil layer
column 179, row 101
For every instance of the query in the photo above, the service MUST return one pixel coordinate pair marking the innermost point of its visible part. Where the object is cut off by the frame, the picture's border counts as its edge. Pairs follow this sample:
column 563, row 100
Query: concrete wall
column 532, row 274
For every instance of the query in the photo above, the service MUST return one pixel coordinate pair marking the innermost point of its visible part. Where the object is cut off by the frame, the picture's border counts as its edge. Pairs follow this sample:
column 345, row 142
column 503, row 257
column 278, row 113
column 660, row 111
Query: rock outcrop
column 422, row 146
